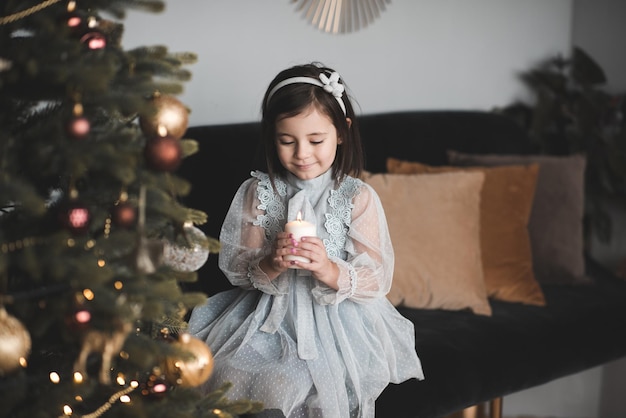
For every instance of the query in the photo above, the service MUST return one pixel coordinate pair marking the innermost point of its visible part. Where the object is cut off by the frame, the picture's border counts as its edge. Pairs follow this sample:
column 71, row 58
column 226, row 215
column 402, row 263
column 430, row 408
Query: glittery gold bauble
column 190, row 370
column 167, row 117
column 14, row 343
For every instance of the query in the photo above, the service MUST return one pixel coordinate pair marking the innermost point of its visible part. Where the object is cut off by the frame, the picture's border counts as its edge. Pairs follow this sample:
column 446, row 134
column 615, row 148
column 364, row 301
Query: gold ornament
column 107, row 344
column 15, row 343
column 169, row 117
column 189, row 371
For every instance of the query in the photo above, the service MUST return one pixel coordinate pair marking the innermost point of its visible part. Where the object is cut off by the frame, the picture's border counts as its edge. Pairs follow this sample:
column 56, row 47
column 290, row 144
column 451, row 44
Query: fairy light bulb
column 54, row 377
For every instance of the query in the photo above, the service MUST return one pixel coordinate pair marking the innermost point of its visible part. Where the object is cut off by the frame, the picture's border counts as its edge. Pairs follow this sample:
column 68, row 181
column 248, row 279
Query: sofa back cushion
column 505, row 204
column 434, row 223
column 556, row 220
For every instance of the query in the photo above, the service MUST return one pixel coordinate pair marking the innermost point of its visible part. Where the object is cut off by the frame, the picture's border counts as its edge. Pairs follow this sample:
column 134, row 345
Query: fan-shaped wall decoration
column 340, row 16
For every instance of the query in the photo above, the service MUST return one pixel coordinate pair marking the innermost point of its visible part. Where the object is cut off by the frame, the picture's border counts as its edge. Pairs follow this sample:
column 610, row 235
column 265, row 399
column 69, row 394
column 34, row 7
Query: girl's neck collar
column 317, row 182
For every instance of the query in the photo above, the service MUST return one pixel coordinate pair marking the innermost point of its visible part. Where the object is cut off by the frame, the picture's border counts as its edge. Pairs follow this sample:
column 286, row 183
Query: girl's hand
column 320, row 266
column 274, row 264
column 312, row 248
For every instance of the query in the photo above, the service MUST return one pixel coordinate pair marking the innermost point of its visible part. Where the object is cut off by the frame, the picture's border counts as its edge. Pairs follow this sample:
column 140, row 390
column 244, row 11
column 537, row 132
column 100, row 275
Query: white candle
column 299, row 229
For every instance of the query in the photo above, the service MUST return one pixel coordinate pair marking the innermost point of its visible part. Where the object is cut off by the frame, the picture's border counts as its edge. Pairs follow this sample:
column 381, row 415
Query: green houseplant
column 572, row 113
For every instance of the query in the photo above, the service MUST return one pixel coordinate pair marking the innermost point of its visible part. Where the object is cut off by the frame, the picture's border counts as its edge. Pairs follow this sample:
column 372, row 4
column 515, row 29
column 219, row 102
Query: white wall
column 419, row 54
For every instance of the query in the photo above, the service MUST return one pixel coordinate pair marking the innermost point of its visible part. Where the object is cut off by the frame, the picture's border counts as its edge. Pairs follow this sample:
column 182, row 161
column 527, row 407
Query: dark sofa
column 468, row 359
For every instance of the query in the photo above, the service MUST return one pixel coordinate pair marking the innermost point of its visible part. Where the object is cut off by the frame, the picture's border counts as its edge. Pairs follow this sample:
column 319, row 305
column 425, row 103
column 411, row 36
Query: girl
column 311, row 335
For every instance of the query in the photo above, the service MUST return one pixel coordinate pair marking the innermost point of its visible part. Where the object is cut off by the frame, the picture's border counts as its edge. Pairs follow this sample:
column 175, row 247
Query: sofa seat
column 469, row 359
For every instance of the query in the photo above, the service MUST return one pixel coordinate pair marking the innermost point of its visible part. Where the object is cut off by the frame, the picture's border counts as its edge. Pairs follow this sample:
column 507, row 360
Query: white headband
column 330, row 84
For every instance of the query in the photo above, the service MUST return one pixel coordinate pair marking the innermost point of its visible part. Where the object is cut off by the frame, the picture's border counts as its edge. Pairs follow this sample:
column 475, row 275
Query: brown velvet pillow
column 556, row 220
column 434, row 223
column 505, row 203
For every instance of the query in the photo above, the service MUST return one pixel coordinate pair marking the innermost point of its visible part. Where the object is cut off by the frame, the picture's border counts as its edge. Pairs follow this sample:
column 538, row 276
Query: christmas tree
column 95, row 243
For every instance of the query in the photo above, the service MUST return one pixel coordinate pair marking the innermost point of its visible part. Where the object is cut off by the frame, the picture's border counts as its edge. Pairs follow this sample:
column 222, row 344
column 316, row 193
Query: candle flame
column 299, row 216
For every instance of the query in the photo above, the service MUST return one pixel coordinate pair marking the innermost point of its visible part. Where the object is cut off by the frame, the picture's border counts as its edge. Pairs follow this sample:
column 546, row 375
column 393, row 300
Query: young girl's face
column 306, row 143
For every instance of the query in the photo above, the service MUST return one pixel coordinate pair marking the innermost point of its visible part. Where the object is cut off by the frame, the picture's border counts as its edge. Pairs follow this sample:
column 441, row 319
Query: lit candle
column 299, row 229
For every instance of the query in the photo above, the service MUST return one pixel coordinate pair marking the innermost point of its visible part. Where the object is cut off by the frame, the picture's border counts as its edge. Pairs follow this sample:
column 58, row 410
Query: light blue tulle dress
column 293, row 343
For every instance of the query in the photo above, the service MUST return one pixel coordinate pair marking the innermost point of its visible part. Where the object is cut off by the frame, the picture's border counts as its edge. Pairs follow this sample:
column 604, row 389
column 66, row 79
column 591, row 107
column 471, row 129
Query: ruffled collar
column 318, row 183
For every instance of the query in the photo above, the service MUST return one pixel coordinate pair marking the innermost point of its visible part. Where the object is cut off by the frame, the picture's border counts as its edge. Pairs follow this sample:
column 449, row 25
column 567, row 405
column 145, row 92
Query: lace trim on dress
column 338, row 220
column 270, row 203
column 353, row 279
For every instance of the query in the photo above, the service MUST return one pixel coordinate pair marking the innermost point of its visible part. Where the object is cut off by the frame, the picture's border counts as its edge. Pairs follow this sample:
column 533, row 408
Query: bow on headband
column 331, row 84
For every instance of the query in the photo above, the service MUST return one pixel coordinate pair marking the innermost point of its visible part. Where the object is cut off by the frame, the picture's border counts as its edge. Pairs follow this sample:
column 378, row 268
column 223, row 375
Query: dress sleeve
column 367, row 271
column 244, row 244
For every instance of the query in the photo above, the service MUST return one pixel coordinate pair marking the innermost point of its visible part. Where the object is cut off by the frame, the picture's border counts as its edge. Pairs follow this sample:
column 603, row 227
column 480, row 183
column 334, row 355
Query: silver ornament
column 189, row 252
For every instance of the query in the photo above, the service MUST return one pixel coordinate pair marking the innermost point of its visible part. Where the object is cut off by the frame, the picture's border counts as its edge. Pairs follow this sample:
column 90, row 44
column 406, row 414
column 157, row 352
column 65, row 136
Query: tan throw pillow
column 505, row 203
column 434, row 223
column 556, row 220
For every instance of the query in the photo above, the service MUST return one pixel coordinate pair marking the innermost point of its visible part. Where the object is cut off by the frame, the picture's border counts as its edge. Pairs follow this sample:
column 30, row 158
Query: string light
column 67, row 410
column 107, row 227
column 88, row 294
column 8, row 247
column 25, row 13
column 54, row 377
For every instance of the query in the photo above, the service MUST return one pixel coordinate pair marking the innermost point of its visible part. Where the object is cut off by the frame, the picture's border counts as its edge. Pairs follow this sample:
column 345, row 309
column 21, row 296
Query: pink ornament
column 94, row 40
column 163, row 153
column 79, row 128
column 75, row 217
